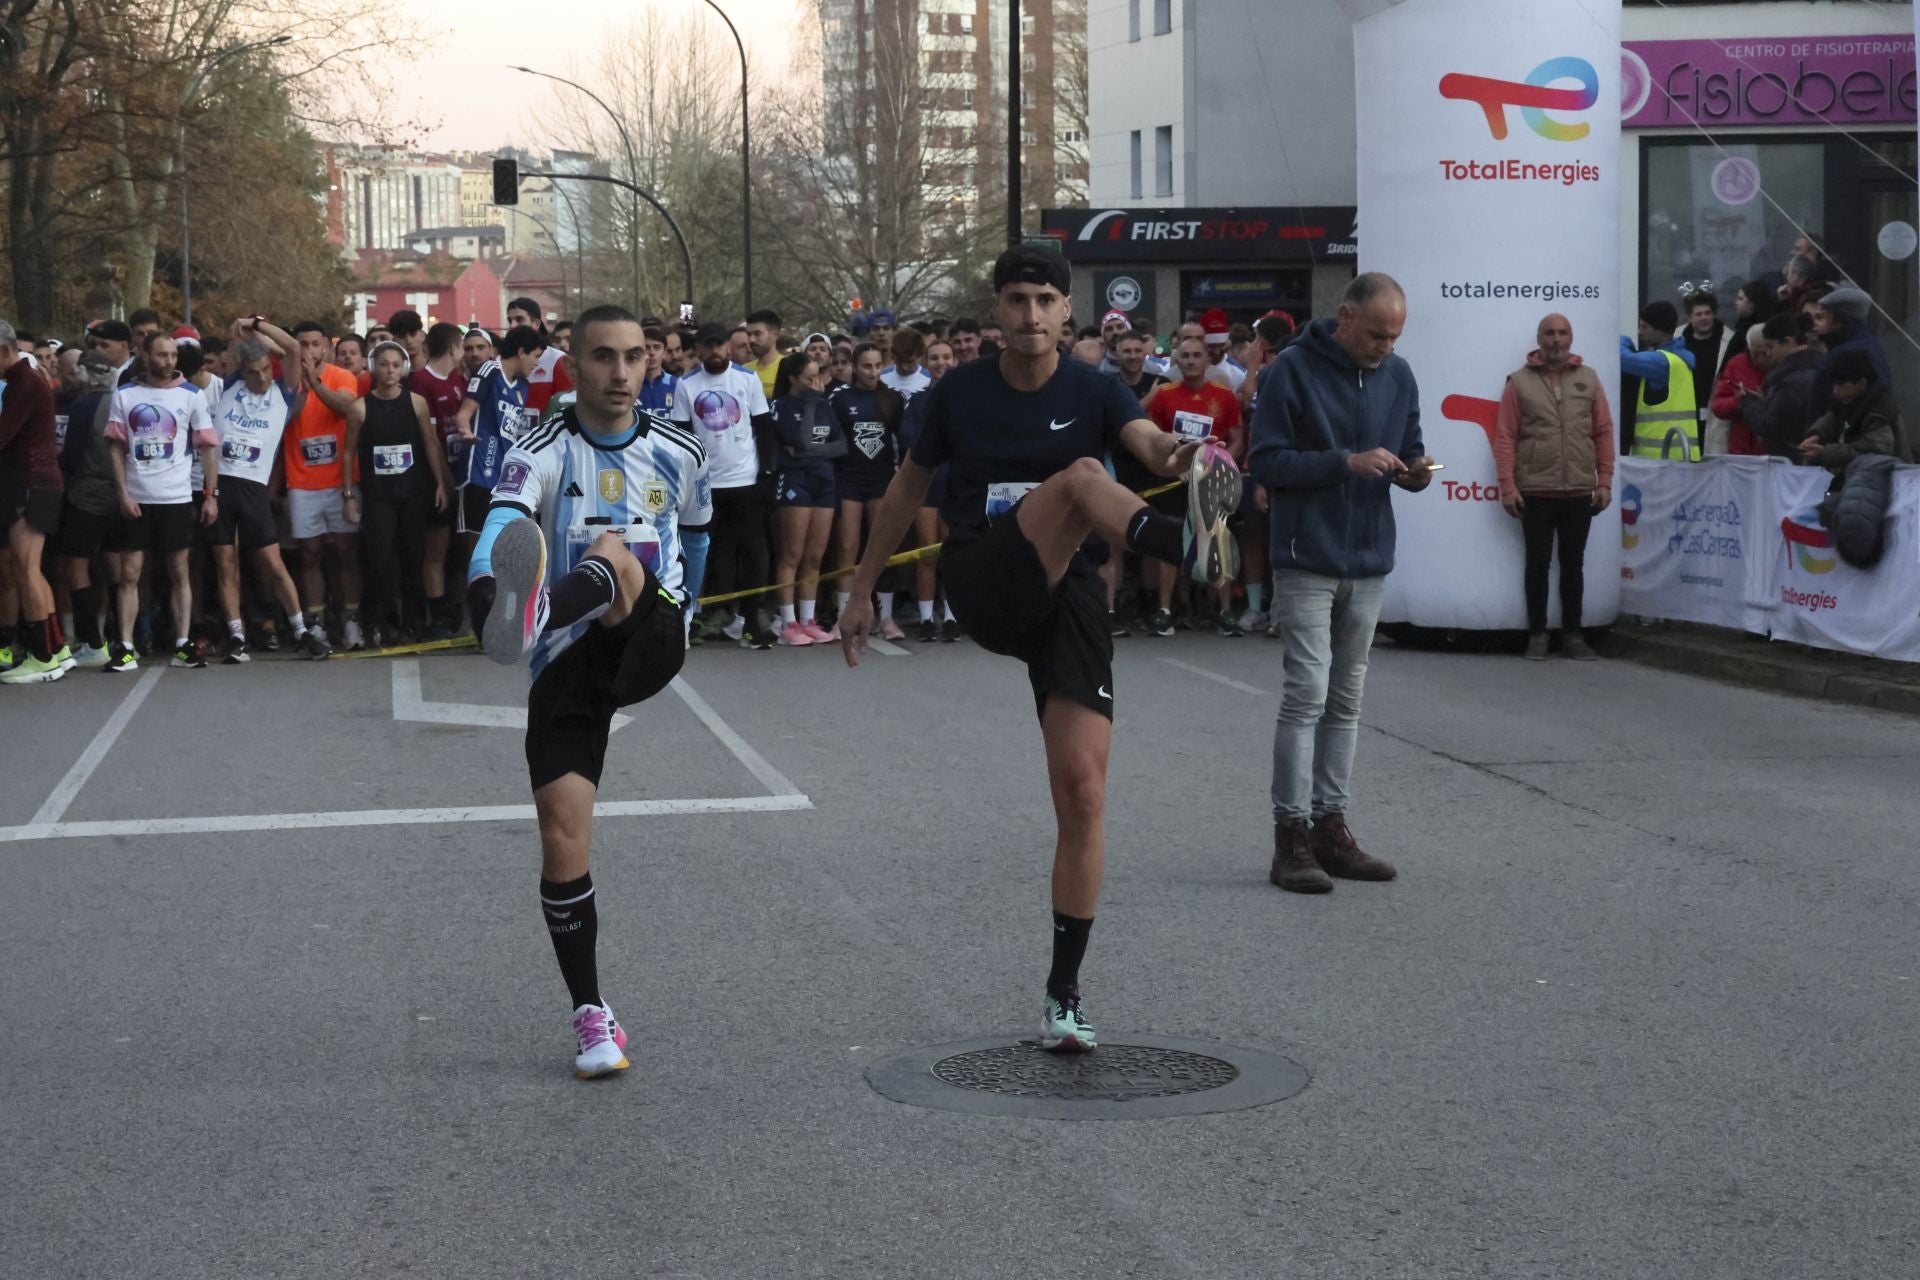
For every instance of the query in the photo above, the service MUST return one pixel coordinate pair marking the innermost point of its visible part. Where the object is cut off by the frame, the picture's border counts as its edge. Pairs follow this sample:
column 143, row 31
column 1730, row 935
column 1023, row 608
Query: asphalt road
column 1642, row 1003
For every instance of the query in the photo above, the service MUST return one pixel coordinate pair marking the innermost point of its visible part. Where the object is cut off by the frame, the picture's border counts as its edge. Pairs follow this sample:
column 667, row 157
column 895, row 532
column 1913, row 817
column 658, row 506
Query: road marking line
column 410, row 705
column 69, row 787
column 887, row 647
column 387, row 818
column 1217, row 678
column 771, row 778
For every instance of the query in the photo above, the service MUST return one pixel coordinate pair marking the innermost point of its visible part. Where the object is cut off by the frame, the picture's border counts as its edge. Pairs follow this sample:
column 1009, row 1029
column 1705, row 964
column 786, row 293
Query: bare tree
column 874, row 173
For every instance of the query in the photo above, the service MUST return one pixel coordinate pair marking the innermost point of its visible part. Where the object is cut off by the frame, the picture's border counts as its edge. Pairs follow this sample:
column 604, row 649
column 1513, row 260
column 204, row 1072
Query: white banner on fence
column 1822, row 599
column 1488, row 187
column 1738, row 542
column 1684, row 538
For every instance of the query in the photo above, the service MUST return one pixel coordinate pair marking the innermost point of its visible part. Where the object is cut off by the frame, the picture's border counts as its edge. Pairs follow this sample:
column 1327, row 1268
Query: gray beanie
column 1850, row 302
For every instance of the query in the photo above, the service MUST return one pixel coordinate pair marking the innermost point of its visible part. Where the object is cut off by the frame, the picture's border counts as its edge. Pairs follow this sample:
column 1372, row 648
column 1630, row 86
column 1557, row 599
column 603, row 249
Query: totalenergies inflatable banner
column 1489, row 144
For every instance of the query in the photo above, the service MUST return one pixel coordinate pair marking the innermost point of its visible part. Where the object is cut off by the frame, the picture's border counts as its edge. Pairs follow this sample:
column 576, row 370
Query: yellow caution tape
column 905, row 557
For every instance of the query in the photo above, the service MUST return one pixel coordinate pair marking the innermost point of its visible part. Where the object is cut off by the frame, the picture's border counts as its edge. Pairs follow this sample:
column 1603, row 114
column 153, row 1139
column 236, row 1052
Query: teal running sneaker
column 1064, row 1027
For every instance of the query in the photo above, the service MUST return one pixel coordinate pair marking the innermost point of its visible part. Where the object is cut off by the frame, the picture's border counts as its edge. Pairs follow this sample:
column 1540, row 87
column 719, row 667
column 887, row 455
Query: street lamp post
column 746, row 166
column 686, row 256
column 633, row 167
column 180, row 166
column 552, row 238
column 1013, row 122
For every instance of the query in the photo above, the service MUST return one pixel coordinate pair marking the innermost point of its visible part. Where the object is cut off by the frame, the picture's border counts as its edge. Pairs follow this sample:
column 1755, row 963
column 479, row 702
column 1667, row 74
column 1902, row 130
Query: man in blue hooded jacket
column 1337, row 423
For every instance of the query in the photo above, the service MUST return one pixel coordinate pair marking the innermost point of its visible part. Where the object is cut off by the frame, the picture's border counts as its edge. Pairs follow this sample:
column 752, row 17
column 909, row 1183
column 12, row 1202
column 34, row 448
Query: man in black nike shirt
column 1022, row 436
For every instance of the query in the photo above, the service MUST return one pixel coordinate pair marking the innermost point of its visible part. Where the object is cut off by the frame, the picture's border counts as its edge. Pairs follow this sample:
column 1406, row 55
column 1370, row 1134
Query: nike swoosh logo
column 1105, row 694
column 1060, row 426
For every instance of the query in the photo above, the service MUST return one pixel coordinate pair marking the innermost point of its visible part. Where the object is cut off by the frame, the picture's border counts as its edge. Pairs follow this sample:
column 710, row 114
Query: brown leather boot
column 1334, row 849
column 1294, row 868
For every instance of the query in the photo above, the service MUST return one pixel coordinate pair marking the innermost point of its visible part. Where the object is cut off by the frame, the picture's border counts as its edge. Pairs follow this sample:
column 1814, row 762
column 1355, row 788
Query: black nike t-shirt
column 1000, row 442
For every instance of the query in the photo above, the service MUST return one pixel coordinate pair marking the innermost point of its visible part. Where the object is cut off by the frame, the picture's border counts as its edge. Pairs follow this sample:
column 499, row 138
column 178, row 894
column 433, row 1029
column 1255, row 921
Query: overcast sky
column 465, row 98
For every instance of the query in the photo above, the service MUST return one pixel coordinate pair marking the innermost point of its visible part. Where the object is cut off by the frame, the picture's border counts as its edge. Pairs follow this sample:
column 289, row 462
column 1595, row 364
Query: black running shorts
column 570, row 707
column 40, row 508
column 246, row 514
column 473, row 501
column 163, row 528
column 998, row 590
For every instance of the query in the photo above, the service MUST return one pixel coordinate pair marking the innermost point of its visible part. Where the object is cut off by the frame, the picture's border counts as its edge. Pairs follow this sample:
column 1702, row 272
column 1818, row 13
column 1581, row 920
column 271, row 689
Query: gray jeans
column 1326, row 628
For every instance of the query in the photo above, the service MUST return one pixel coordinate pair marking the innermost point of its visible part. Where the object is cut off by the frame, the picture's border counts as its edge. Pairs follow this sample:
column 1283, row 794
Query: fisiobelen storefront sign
column 1770, row 82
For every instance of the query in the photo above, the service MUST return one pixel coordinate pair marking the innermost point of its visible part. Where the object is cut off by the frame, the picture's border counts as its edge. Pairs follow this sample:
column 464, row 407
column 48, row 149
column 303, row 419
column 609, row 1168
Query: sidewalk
column 1737, row 657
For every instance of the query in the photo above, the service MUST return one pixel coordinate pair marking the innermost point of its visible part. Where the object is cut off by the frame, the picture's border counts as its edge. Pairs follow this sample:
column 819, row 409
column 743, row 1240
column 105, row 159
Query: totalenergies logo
column 1535, row 96
column 1630, row 504
column 1810, row 544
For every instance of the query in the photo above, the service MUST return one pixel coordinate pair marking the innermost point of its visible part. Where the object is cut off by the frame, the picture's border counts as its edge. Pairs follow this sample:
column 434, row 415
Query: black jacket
column 1784, row 412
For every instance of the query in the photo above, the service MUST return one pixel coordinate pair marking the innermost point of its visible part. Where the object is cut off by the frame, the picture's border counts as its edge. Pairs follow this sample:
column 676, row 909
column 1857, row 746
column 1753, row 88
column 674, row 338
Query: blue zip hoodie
column 1316, row 408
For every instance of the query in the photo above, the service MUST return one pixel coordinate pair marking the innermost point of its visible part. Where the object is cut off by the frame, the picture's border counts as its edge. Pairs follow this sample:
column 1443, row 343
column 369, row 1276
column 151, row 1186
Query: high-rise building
column 937, row 70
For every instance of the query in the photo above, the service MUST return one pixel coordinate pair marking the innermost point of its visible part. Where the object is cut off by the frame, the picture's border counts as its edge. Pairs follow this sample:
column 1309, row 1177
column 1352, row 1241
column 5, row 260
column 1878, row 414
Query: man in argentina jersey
column 578, row 565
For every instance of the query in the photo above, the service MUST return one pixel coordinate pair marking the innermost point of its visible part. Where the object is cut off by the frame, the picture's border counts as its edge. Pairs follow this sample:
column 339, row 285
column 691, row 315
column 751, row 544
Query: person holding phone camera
column 1336, row 427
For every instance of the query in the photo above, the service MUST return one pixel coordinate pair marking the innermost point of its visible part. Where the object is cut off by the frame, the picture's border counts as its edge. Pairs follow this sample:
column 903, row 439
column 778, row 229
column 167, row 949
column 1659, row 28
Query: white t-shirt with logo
column 720, row 408
column 161, row 427
column 249, row 427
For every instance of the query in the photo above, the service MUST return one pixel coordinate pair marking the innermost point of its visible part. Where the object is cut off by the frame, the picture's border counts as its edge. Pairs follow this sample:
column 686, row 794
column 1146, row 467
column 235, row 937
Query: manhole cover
column 1145, row 1078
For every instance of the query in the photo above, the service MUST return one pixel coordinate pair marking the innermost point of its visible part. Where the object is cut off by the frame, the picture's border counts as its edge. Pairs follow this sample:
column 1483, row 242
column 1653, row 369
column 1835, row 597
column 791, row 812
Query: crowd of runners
column 352, row 473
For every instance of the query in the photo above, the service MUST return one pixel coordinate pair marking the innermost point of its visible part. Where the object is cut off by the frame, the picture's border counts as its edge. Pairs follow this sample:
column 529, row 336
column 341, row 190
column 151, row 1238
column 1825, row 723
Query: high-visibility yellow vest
column 1670, row 429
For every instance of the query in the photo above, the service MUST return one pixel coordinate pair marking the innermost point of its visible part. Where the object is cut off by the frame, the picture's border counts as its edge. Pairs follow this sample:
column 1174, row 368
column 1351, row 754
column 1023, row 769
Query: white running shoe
column 519, row 612
column 351, row 638
column 87, row 656
column 735, row 628
column 602, row 1042
column 1254, row 619
column 1065, row 1027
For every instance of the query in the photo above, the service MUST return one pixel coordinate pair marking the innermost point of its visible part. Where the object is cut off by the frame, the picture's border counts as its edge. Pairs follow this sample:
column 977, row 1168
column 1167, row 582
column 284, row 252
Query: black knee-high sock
column 1155, row 534
column 86, row 615
column 574, row 924
column 1069, row 949
column 584, row 594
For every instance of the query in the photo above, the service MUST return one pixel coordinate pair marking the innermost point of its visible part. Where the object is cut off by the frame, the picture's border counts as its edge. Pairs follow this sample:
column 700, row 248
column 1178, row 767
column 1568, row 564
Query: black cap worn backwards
column 712, row 334
column 1032, row 264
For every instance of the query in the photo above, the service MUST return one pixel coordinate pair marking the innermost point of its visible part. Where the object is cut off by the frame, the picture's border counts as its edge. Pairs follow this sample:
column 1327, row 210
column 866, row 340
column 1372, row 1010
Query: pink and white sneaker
column 890, row 630
column 519, row 612
column 603, row 1042
column 818, row 632
column 794, row 635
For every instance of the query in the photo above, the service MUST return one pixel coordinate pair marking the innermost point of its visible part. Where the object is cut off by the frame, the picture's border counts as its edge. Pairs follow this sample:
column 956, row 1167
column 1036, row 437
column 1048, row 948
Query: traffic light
column 506, row 180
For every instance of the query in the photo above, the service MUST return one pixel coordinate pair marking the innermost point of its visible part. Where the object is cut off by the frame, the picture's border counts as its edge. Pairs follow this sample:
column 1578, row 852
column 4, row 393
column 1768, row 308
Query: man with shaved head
column 1553, row 448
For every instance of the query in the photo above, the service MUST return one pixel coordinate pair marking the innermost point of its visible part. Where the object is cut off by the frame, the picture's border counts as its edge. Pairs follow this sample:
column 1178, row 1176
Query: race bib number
column 516, row 422
column 1192, row 426
column 239, row 452
column 1002, row 497
column 151, row 449
column 392, row 459
column 640, row 539
column 320, row 451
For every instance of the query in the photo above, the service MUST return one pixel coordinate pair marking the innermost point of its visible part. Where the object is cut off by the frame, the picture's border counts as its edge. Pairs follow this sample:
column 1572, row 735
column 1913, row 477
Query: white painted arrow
column 410, row 705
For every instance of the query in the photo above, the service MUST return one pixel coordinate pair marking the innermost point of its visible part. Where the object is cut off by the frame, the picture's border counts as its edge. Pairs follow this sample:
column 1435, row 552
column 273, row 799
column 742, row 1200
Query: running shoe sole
column 519, row 567
column 1213, row 494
